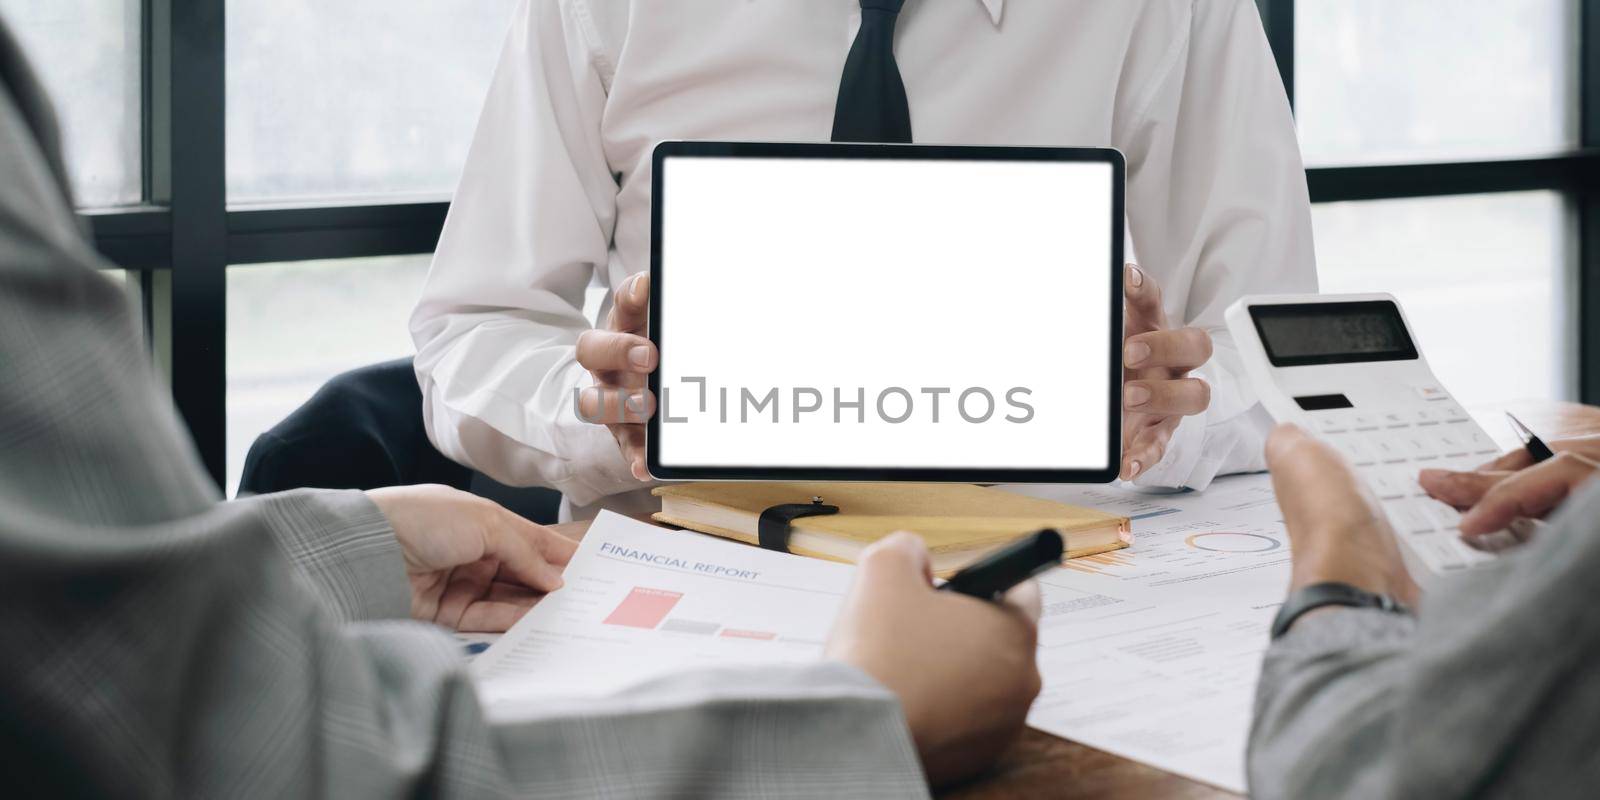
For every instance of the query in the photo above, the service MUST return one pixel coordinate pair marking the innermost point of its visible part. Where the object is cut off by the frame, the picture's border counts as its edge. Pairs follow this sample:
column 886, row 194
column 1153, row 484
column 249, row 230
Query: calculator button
column 1331, row 423
column 1431, row 391
column 1395, row 419
column 1453, row 413
column 1389, row 450
column 1364, row 422
column 1359, row 451
column 1387, row 483
column 1443, row 513
column 1481, row 444
column 1417, row 446
column 1450, row 443
column 1427, row 416
column 1409, row 517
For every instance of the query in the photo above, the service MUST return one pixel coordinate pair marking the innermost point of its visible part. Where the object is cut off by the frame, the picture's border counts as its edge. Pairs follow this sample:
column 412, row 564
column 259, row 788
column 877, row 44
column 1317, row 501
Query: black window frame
column 183, row 236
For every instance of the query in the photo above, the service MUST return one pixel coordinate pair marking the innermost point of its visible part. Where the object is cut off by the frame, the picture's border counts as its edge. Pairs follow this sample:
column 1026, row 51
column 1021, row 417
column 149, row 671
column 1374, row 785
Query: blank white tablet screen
column 883, row 314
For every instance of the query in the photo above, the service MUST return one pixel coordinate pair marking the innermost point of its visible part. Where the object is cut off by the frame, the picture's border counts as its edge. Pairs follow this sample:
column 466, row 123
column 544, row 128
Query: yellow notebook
column 960, row 522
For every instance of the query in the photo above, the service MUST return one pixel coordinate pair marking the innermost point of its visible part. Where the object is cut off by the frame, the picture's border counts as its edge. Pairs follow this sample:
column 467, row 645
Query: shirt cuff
column 344, row 547
column 1229, row 437
column 1184, row 463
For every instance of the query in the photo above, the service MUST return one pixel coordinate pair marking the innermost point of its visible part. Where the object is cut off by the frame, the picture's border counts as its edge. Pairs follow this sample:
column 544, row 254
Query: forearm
column 1326, row 705
column 530, row 224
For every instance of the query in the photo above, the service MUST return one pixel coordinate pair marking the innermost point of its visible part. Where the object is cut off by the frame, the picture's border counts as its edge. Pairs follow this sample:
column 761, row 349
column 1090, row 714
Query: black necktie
column 872, row 104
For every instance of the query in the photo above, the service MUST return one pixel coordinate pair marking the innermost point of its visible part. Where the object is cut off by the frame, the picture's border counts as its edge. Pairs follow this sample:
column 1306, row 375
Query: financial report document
column 641, row 602
column 1153, row 652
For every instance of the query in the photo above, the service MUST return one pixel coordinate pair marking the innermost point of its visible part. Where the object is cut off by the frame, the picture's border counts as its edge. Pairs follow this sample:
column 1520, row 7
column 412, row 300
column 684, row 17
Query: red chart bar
column 644, row 608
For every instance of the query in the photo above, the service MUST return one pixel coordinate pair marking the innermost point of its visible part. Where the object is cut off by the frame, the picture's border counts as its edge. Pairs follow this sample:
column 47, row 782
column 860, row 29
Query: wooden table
column 1042, row 765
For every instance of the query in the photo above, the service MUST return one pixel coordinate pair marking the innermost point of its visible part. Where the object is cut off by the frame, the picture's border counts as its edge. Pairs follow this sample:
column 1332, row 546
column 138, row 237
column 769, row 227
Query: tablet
column 886, row 312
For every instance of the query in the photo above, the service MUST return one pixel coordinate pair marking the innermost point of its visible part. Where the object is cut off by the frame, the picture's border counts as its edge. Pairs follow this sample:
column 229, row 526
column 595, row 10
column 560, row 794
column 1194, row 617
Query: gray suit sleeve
column 343, row 547
column 164, row 643
column 1489, row 693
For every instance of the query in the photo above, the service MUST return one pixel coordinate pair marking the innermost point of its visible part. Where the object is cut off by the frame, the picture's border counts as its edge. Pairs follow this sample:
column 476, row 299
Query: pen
column 1536, row 446
column 995, row 574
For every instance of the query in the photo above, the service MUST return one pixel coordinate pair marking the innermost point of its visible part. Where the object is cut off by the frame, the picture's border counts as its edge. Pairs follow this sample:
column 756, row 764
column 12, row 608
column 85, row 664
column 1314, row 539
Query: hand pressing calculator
column 1346, row 368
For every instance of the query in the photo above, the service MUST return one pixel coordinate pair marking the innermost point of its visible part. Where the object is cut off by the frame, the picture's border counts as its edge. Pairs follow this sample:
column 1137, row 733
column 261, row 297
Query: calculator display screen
column 1305, row 334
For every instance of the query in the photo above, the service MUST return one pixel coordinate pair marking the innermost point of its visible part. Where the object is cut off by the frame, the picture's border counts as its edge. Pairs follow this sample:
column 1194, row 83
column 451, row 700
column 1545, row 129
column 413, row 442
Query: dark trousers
column 363, row 430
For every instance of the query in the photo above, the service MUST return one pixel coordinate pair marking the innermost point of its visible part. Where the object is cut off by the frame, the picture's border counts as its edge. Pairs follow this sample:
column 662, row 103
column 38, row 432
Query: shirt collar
column 994, row 7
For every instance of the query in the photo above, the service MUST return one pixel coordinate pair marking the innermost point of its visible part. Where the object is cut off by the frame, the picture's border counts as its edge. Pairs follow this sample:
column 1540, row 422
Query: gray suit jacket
column 1492, row 691
column 161, row 642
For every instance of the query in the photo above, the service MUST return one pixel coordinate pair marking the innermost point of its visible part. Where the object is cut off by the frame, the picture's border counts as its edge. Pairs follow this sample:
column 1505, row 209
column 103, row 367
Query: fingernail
column 638, row 288
column 1135, row 276
column 1137, row 353
column 639, row 356
column 636, row 402
column 1134, row 468
column 589, row 397
column 1137, row 396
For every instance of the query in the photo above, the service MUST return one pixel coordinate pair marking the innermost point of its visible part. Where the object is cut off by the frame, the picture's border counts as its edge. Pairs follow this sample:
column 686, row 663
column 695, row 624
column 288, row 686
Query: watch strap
column 1330, row 593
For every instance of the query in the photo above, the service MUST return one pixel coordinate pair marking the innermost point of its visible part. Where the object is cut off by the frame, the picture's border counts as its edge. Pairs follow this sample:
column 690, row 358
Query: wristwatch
column 1331, row 593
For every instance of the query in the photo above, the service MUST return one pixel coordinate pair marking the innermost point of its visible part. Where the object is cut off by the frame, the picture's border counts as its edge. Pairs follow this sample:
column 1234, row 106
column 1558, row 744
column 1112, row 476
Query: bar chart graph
column 641, row 603
column 643, row 608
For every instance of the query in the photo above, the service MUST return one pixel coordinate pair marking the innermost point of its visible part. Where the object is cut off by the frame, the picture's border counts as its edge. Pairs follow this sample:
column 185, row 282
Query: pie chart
column 1228, row 542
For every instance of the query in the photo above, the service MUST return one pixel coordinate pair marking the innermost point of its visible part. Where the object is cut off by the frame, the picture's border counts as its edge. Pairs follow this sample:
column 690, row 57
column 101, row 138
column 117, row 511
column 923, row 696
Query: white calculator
column 1347, row 368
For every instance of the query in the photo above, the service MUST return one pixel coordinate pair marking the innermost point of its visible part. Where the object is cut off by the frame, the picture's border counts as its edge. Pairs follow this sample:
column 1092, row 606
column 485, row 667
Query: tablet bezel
column 913, row 152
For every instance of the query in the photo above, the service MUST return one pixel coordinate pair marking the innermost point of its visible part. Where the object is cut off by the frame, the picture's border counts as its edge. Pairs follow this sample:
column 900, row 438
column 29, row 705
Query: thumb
column 1290, row 450
column 900, row 558
column 519, row 556
column 557, row 550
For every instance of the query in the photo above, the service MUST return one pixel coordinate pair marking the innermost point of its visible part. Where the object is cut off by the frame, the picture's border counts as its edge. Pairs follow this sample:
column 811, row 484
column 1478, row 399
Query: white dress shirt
column 556, row 189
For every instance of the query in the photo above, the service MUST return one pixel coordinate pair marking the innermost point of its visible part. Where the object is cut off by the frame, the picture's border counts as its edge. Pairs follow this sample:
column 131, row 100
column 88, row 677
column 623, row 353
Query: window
column 1482, row 278
column 87, row 54
column 355, row 97
column 1380, row 81
column 346, row 123
column 1383, row 89
column 293, row 326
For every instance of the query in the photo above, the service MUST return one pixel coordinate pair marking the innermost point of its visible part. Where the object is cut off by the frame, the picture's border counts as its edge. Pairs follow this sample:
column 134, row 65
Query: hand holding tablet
column 869, row 312
column 618, row 357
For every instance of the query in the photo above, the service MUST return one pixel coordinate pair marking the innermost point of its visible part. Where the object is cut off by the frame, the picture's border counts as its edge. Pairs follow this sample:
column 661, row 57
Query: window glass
column 293, row 326
column 355, row 97
column 1434, row 80
column 87, row 54
column 1482, row 278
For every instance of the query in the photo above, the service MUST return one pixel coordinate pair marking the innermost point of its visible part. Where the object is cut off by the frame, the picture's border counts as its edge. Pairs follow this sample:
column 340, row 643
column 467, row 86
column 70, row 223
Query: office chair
column 364, row 430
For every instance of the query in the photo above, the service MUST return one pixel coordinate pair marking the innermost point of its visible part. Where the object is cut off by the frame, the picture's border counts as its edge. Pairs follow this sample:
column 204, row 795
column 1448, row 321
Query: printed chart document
column 1153, row 652
column 641, row 602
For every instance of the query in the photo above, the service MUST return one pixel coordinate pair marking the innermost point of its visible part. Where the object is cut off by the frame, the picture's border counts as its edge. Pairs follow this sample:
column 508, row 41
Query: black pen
column 994, row 575
column 1536, row 447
